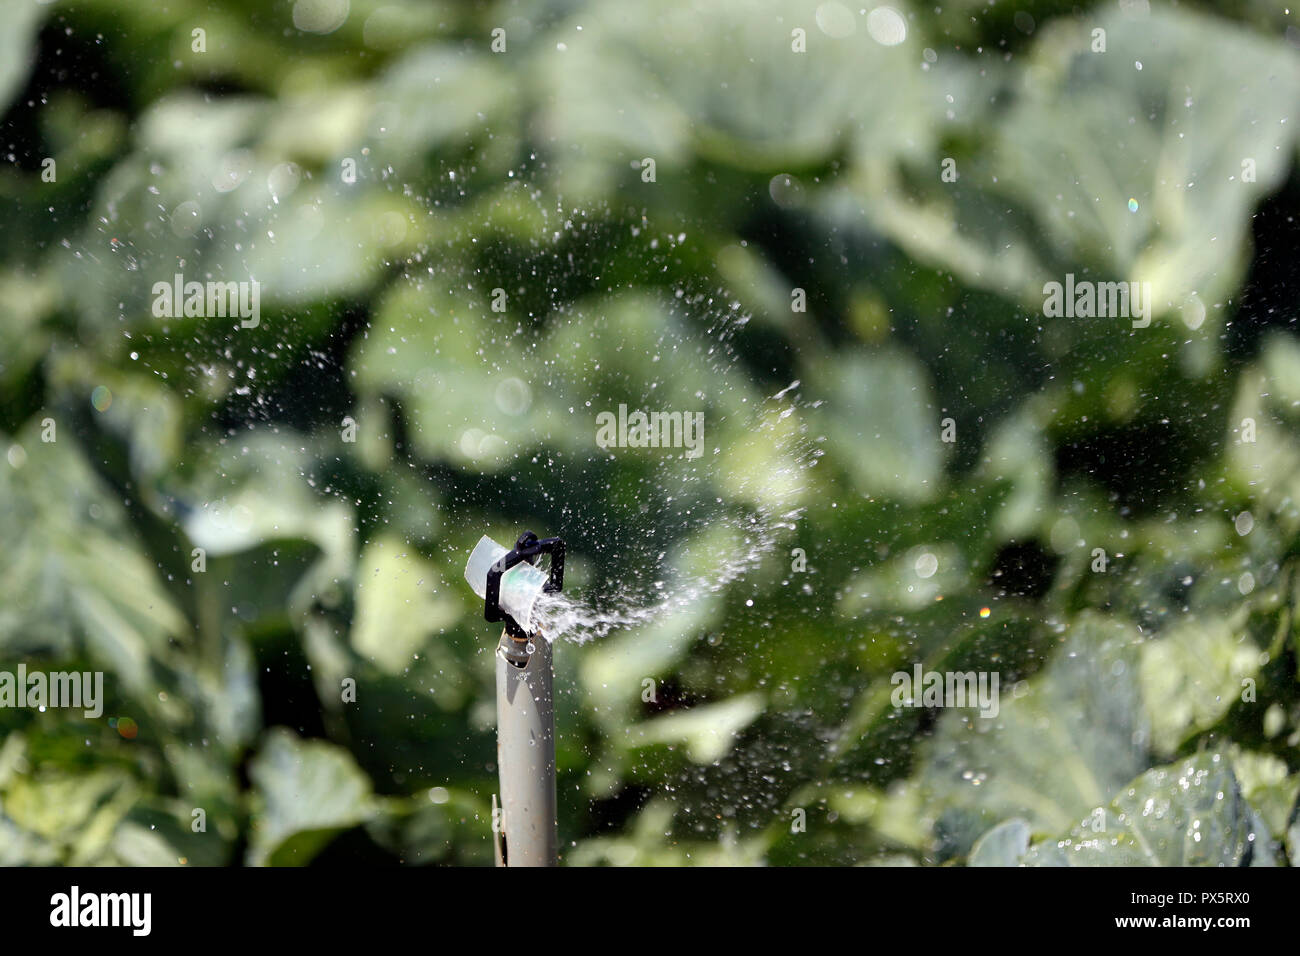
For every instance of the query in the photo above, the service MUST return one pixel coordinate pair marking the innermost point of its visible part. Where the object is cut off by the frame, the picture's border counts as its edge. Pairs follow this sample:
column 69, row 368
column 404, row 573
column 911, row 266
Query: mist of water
column 652, row 593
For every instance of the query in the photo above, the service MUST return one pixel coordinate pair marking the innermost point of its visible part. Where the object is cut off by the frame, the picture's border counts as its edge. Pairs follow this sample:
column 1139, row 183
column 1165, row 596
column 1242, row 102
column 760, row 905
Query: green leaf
column 469, row 94
column 396, row 608
column 17, row 45
column 1188, row 814
column 1267, row 785
column 258, row 492
column 1061, row 744
column 1004, row 845
column 1263, row 455
column 745, row 100
column 73, row 816
column 306, row 793
column 881, row 416
column 708, row 731
column 1166, row 98
column 1192, row 674
column 72, row 571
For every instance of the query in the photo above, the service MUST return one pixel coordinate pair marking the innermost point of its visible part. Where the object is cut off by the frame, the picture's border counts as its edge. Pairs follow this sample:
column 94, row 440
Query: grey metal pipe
column 526, row 753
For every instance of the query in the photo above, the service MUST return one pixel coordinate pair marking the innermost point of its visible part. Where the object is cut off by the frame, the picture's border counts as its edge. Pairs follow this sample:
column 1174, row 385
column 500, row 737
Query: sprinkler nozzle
column 513, row 603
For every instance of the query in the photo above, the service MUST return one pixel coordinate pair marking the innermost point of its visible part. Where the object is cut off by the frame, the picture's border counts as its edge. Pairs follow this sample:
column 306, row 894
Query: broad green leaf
column 642, row 844
column 881, row 415
column 1178, row 117
column 708, row 730
column 136, row 845
column 259, row 491
column 72, row 572
column 19, row 847
column 306, row 793
column 1192, row 674
column 71, row 816
column 436, row 95
column 1263, row 456
column 1017, row 450
column 17, row 45
column 396, row 607
column 722, row 81
column 1188, row 814
column 484, row 390
column 909, row 582
column 1269, row 788
column 1004, row 845
column 1061, row 744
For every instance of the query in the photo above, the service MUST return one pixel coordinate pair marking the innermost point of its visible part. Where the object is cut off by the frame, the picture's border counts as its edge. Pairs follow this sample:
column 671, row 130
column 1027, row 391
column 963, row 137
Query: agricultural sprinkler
column 509, row 582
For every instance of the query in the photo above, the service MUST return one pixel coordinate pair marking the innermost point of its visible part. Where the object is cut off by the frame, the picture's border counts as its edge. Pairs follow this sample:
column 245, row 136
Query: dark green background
column 1150, row 712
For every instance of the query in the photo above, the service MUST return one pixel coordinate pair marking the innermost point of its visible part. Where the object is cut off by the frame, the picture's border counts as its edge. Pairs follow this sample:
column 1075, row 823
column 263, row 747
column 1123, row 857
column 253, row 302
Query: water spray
column 510, row 583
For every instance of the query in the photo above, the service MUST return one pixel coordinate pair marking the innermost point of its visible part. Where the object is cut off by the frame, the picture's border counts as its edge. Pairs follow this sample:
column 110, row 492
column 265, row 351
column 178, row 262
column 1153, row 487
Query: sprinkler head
column 526, row 550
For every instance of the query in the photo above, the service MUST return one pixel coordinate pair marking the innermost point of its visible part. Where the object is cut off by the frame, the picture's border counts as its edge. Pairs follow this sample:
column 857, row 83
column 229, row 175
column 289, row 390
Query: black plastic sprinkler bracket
column 528, row 548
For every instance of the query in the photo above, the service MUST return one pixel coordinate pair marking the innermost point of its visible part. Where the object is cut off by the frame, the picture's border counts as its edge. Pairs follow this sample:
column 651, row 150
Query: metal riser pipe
column 526, row 754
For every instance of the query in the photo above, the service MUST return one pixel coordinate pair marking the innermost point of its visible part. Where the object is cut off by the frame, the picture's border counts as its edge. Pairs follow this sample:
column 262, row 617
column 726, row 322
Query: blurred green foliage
column 1150, row 711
